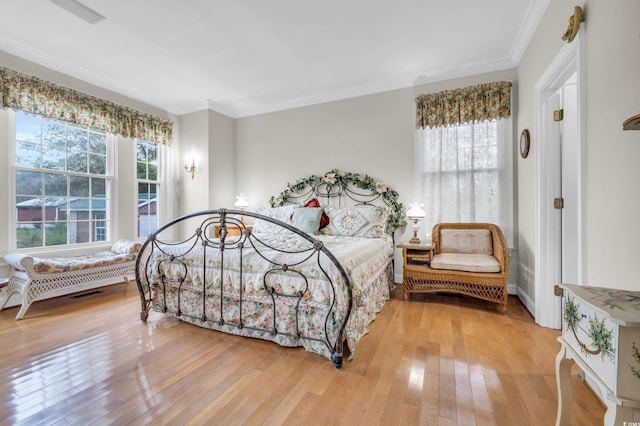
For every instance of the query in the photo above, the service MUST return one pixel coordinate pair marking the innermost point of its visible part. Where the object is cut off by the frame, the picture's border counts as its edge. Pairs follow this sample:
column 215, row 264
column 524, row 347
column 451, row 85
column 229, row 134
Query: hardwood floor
column 435, row 360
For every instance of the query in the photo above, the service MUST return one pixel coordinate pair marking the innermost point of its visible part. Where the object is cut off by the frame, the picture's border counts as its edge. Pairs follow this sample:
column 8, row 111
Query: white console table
column 601, row 333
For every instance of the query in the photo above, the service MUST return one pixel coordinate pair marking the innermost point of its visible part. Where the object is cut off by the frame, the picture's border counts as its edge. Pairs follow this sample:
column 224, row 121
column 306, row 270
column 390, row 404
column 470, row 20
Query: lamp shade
column 241, row 201
column 415, row 211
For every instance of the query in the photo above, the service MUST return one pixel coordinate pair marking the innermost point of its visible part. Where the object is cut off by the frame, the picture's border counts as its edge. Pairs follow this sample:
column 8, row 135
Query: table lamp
column 241, row 203
column 415, row 215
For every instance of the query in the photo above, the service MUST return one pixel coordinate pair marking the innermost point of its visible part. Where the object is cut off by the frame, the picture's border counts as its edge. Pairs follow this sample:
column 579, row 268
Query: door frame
column 548, row 254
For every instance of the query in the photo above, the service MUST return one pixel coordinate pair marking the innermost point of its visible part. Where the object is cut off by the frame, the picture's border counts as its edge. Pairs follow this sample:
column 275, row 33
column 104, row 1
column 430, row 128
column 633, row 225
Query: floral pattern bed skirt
column 239, row 300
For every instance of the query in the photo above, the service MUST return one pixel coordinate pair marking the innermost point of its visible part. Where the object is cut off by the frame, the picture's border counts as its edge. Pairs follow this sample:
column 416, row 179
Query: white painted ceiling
column 246, row 57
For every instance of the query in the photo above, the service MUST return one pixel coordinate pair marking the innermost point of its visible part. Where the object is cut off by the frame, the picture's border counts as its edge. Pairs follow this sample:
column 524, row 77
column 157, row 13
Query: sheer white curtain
column 464, row 173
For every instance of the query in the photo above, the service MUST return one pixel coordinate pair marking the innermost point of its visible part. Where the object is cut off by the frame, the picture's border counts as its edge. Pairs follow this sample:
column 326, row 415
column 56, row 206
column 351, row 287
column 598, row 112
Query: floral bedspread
column 306, row 302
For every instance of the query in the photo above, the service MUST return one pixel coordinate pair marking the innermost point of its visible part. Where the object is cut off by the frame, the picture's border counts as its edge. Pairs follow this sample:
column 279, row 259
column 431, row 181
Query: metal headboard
column 336, row 188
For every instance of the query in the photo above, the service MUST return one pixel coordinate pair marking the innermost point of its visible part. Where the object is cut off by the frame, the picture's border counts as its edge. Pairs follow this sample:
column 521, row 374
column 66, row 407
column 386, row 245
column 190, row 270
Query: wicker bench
column 36, row 278
column 471, row 259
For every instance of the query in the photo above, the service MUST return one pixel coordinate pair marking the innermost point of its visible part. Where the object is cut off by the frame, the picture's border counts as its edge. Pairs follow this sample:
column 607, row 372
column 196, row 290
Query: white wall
column 612, row 41
column 223, row 161
column 209, row 138
column 194, row 146
column 126, row 198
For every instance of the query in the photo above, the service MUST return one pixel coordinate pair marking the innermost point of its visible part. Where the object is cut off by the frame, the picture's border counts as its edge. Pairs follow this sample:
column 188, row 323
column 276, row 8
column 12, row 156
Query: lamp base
column 414, row 240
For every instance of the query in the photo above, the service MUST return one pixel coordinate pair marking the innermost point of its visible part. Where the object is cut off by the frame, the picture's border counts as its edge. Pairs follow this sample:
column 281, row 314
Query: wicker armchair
column 471, row 259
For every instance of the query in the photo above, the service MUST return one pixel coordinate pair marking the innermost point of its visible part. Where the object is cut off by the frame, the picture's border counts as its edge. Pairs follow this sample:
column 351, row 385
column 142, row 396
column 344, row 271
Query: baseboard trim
column 527, row 302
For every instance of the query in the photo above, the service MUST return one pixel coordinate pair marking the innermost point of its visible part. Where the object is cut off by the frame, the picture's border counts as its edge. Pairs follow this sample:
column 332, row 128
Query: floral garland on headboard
column 397, row 216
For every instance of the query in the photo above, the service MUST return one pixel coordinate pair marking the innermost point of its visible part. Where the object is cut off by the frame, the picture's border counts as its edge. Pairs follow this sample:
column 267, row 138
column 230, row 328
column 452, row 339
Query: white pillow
column 282, row 214
column 359, row 221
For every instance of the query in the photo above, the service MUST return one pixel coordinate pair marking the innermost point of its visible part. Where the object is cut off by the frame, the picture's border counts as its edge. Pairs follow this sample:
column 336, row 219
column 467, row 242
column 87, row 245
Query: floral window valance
column 476, row 103
column 31, row 94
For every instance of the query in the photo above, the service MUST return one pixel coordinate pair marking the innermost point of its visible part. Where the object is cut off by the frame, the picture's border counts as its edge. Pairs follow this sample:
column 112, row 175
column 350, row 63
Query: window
column 464, row 174
column 464, row 165
column 148, row 187
column 61, row 179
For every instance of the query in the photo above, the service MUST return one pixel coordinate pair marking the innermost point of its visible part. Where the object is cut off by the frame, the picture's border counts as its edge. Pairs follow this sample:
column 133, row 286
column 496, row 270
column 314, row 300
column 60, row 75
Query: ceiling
column 246, row 57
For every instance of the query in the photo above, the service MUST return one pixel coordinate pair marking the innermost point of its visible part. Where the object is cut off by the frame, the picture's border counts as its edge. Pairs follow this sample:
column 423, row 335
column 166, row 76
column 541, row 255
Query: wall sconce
column 415, row 215
column 191, row 168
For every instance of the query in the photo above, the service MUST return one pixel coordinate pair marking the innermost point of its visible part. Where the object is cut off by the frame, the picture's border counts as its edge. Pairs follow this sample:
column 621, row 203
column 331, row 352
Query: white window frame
column 161, row 173
column 111, row 192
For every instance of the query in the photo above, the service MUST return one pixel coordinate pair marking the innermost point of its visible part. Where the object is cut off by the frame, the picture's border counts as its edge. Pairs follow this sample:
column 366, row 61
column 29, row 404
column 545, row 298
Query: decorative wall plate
column 574, row 25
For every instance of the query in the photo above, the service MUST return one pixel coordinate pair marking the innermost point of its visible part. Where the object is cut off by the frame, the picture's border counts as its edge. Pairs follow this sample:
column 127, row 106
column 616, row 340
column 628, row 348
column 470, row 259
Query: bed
column 312, row 270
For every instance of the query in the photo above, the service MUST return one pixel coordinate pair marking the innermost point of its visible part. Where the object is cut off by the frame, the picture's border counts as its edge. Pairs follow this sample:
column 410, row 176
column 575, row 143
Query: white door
column 554, row 171
column 565, row 174
column 560, row 171
column 570, row 173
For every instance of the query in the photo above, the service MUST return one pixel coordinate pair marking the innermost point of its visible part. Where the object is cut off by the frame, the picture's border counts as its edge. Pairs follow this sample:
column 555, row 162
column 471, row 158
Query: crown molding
column 527, row 29
column 38, row 58
column 80, row 10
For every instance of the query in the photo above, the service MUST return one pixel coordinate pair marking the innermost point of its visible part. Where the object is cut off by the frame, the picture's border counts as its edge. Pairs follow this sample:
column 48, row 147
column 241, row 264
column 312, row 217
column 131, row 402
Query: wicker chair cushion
column 471, row 241
column 465, row 262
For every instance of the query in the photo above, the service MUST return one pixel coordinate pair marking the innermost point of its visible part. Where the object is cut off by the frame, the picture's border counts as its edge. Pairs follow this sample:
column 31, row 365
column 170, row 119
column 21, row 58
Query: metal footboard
column 206, row 279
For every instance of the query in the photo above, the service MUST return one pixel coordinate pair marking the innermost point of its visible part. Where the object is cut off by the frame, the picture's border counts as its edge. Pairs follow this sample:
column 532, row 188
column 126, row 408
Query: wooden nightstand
column 414, row 255
column 232, row 230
